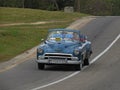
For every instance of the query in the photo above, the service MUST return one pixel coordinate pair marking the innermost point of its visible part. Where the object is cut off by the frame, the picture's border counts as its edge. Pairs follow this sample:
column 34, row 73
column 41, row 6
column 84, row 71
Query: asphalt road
column 101, row 75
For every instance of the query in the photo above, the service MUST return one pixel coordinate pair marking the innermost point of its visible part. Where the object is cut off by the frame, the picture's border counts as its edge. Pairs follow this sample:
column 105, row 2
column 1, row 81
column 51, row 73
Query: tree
column 23, row 3
column 96, row 7
column 77, row 5
column 56, row 4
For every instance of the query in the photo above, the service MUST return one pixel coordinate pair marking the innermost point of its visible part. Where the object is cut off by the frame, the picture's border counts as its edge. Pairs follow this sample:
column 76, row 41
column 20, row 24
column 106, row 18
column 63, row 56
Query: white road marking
column 75, row 73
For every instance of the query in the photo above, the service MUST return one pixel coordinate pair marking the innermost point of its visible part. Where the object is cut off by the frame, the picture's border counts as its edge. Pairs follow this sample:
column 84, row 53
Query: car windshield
column 67, row 36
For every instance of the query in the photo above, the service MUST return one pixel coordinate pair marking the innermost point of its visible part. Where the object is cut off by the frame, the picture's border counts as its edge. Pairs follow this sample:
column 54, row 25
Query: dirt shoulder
column 33, row 23
column 32, row 52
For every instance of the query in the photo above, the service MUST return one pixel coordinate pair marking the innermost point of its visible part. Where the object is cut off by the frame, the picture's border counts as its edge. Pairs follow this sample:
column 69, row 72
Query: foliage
column 115, row 7
column 95, row 7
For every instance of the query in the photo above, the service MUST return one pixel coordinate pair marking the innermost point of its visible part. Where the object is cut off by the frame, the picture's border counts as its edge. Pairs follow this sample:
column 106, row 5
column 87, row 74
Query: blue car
column 64, row 47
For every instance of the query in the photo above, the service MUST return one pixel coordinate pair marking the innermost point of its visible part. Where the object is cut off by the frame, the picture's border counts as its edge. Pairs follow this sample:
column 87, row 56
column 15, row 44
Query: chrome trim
column 67, row 62
column 58, row 58
column 58, row 54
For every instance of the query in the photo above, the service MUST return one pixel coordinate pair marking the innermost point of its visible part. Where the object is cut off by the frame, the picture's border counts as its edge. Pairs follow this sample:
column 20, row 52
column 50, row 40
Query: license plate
column 58, row 39
column 57, row 61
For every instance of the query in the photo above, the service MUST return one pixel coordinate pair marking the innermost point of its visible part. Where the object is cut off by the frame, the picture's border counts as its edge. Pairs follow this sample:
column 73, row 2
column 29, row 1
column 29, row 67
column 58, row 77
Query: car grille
column 58, row 56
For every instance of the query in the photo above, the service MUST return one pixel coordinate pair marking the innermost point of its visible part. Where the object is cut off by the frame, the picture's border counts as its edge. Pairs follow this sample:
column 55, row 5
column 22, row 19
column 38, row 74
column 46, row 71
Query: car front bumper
column 58, row 60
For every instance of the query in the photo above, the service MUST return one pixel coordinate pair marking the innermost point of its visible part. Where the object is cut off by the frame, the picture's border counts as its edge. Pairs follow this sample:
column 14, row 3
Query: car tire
column 41, row 66
column 86, row 61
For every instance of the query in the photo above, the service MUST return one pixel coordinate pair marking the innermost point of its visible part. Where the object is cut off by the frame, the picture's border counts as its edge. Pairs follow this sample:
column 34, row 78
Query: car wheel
column 86, row 61
column 41, row 66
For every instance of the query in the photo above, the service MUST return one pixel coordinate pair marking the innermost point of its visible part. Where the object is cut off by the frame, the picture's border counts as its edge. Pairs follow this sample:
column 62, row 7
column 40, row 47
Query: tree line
column 94, row 7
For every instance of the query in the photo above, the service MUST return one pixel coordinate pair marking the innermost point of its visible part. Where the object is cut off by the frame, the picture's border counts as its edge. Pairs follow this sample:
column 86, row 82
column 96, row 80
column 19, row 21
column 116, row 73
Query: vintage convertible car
column 64, row 47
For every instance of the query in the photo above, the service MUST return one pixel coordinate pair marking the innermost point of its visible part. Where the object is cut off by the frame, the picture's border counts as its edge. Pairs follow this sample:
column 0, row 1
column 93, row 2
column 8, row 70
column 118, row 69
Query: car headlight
column 39, row 50
column 76, row 52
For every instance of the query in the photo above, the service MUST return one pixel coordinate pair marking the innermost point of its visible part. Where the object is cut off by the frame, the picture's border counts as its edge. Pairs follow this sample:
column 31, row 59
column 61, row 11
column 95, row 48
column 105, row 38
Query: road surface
column 103, row 74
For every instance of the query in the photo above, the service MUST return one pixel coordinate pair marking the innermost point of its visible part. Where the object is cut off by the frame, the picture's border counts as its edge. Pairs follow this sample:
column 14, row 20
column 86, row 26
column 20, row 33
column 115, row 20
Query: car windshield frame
column 63, row 35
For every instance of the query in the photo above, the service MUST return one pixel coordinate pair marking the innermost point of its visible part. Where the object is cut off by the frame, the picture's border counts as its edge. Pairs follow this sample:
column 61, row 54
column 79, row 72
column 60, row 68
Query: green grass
column 19, row 38
column 10, row 15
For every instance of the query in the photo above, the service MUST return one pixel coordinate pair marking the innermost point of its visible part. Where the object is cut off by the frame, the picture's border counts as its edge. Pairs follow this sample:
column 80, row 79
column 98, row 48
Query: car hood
column 60, row 47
